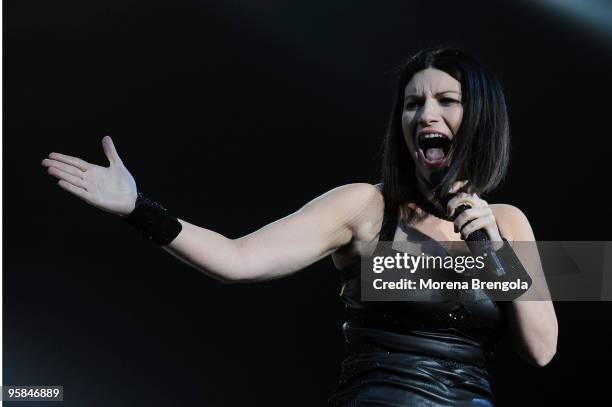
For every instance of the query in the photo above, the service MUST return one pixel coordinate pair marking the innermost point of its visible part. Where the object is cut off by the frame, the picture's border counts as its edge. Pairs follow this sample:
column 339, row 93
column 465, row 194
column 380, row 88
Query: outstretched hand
column 111, row 188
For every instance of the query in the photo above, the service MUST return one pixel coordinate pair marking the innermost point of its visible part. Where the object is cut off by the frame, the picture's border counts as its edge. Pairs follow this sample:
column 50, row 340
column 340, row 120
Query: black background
column 234, row 114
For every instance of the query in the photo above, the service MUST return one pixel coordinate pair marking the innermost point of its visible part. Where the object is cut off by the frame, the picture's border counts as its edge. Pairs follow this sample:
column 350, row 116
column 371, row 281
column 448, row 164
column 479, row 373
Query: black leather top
column 415, row 353
column 476, row 323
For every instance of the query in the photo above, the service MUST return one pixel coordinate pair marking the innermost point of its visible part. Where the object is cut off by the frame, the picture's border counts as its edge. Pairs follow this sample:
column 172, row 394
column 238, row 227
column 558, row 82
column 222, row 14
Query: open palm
column 111, row 189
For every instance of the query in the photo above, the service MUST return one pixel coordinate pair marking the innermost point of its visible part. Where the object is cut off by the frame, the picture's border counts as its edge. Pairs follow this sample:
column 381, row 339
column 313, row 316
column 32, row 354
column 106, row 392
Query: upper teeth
column 433, row 135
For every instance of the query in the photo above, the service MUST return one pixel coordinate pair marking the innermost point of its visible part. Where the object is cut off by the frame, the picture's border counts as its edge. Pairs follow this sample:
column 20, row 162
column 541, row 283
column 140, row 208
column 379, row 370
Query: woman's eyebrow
column 448, row 91
column 436, row 94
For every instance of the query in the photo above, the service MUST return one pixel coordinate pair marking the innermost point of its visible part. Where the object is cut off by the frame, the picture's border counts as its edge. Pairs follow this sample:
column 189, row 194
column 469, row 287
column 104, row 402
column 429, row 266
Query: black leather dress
column 422, row 353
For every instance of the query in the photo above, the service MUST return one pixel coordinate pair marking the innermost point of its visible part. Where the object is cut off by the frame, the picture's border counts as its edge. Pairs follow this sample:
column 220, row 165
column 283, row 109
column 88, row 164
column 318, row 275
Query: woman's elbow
column 247, row 275
column 544, row 357
column 543, row 353
column 230, row 276
column 539, row 358
column 240, row 278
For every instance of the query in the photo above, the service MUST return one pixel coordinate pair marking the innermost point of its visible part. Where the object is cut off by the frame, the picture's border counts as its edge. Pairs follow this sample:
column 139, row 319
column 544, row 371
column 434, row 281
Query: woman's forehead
column 432, row 81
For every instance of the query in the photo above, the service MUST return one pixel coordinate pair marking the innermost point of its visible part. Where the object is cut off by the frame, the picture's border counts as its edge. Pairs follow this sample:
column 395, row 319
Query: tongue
column 433, row 154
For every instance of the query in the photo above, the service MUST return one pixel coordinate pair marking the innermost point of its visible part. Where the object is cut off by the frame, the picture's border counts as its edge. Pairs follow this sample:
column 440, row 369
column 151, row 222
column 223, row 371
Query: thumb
column 110, row 151
column 457, row 186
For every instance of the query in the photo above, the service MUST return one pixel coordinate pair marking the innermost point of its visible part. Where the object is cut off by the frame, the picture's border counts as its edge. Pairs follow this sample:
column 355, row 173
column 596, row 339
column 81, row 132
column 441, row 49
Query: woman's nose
column 429, row 113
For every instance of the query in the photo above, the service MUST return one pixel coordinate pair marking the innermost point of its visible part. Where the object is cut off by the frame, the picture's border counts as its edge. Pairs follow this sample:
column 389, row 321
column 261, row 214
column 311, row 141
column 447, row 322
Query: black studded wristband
column 153, row 221
column 503, row 266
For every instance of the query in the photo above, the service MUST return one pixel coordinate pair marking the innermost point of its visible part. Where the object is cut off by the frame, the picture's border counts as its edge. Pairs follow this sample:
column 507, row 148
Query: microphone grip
column 477, row 235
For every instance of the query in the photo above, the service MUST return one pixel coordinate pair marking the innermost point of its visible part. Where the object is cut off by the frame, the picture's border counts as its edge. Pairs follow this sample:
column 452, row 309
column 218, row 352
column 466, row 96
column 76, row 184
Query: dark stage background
column 234, row 114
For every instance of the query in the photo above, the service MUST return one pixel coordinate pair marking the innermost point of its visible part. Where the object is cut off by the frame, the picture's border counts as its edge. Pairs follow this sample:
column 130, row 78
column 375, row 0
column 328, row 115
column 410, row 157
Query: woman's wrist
column 129, row 209
column 507, row 264
column 153, row 221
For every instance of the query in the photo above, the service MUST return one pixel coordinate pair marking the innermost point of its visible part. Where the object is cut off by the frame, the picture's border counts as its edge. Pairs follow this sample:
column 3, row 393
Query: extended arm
column 278, row 249
column 284, row 246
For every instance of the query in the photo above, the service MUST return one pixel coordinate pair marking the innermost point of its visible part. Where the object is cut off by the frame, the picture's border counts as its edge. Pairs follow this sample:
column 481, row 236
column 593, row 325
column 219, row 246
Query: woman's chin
column 431, row 176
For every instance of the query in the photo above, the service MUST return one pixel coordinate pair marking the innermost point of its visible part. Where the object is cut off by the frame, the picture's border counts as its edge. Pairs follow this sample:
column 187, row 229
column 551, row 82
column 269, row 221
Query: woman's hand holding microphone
column 502, row 263
column 478, row 216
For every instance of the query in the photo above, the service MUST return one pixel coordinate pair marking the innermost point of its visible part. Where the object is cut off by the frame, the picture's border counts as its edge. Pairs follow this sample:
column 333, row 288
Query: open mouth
column 433, row 148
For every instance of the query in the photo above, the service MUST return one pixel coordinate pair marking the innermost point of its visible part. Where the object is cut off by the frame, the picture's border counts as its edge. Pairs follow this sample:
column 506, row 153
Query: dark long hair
column 480, row 150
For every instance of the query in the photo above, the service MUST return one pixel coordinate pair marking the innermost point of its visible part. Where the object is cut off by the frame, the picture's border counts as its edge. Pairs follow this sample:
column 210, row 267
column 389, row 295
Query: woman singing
column 448, row 137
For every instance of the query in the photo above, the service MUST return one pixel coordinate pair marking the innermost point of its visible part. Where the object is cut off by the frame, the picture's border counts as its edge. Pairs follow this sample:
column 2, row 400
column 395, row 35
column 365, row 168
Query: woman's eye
column 448, row 101
column 411, row 105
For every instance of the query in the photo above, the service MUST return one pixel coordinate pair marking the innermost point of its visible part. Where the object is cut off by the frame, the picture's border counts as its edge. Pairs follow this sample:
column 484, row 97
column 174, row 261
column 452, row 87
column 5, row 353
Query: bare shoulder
column 350, row 197
column 361, row 207
column 352, row 204
column 364, row 196
column 361, row 202
column 512, row 222
column 358, row 190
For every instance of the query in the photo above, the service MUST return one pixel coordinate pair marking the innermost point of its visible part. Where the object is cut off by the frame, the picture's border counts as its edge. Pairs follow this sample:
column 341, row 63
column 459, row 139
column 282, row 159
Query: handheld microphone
column 477, row 235
column 478, row 240
column 479, row 243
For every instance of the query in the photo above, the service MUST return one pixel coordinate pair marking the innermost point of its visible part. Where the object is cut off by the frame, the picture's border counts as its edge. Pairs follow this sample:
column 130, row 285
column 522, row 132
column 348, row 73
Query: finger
column 77, row 162
column 110, row 151
column 476, row 224
column 457, row 185
column 64, row 167
column 466, row 199
column 76, row 181
column 469, row 215
column 81, row 193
